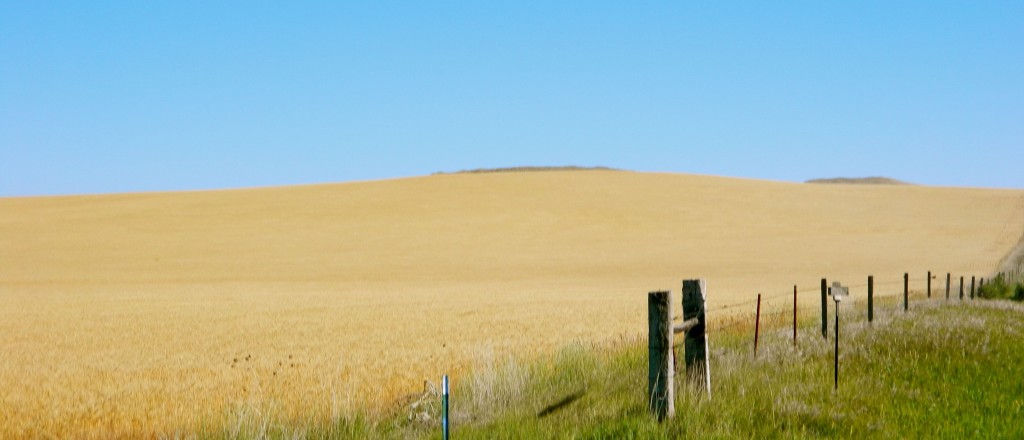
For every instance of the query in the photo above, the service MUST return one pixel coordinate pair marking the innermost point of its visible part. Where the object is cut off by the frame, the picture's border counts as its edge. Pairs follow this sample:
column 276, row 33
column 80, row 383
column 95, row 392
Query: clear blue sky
column 140, row 96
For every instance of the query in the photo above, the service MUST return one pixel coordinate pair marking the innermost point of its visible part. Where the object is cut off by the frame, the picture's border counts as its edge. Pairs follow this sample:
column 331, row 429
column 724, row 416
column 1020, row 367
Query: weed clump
column 1000, row 288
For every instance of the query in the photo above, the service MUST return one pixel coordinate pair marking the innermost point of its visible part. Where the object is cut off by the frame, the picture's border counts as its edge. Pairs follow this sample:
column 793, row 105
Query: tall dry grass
column 134, row 314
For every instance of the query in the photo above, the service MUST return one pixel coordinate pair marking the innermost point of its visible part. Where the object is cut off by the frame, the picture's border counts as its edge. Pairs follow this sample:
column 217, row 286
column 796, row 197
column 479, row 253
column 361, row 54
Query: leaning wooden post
column 871, row 298
column 824, row 309
column 794, row 314
column 660, row 369
column 906, row 291
column 696, row 351
column 757, row 323
column 947, row 286
column 929, row 284
column 972, row 286
column 961, row 288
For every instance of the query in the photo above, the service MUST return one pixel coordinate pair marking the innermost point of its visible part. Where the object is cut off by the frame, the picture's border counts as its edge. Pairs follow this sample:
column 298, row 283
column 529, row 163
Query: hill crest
column 525, row 169
column 876, row 180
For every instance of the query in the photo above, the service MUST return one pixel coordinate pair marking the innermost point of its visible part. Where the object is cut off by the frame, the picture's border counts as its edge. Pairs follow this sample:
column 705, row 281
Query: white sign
column 838, row 291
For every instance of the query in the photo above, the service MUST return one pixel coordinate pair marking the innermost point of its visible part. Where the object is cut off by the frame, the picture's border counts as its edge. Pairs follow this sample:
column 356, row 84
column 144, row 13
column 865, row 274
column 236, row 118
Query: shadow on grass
column 566, row 401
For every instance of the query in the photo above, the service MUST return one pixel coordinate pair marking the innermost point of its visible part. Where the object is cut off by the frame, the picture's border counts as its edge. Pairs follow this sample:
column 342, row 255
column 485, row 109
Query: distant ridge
column 528, row 169
column 860, row 181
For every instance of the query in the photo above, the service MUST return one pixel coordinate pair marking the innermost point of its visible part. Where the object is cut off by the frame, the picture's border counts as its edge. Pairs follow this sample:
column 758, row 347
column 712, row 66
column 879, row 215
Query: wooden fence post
column 871, row 298
column 824, row 309
column 794, row 314
column 660, row 368
column 696, row 351
column 929, row 284
column 757, row 323
column 972, row 286
column 947, row 286
column 961, row 288
column 906, row 291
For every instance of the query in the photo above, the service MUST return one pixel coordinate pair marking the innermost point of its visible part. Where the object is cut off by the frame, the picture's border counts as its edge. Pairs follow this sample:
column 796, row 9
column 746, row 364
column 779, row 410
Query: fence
column 1014, row 275
column 698, row 321
column 777, row 308
column 662, row 350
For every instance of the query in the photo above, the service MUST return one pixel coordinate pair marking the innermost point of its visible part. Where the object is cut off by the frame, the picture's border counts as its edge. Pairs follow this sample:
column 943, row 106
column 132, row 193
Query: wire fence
column 780, row 310
column 778, row 307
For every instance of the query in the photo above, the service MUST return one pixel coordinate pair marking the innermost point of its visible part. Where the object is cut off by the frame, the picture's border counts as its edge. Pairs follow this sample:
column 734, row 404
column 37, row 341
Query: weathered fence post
column 696, row 353
column 961, row 288
column 757, row 323
column 660, row 368
column 972, row 286
column 947, row 286
column 824, row 309
column 929, row 284
column 906, row 291
column 794, row 314
column 871, row 298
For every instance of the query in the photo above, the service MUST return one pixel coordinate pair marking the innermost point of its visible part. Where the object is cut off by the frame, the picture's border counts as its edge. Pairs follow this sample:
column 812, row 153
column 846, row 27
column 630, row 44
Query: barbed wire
column 775, row 304
column 775, row 310
column 783, row 318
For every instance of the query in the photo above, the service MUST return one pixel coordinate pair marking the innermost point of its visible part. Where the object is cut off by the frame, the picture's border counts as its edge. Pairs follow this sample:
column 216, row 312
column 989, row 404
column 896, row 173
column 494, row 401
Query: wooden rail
column 685, row 325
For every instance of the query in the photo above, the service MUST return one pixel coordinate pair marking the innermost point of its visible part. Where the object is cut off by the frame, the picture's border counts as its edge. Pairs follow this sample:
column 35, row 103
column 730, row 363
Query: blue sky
column 138, row 96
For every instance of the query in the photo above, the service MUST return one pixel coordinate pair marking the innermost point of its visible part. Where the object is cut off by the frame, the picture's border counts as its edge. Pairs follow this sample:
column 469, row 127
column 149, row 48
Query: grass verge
column 941, row 370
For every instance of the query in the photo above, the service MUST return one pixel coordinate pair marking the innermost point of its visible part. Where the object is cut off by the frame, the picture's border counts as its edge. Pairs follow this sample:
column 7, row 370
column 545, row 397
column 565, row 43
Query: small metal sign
column 838, row 291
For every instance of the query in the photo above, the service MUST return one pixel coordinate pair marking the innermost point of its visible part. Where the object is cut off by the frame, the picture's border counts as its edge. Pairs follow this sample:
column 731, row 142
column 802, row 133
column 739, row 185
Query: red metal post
column 757, row 323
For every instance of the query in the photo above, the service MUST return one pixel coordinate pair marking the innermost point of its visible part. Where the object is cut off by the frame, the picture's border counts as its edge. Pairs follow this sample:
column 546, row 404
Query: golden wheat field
column 150, row 314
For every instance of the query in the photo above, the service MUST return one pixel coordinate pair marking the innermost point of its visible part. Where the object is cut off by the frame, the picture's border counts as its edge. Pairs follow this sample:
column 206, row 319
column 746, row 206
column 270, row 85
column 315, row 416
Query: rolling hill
column 128, row 313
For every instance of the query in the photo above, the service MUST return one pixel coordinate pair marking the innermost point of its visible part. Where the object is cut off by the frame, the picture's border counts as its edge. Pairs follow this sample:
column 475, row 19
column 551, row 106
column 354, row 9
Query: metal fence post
column 871, row 298
column 824, row 309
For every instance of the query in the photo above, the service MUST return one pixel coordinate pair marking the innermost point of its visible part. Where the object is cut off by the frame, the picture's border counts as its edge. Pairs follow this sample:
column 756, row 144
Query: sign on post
column 838, row 292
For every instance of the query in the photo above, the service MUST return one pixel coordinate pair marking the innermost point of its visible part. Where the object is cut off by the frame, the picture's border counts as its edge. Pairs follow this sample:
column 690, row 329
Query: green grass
column 939, row 371
column 1002, row 288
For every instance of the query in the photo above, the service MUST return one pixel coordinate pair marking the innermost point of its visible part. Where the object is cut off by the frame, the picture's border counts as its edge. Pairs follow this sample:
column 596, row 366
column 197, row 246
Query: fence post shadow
column 564, row 402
